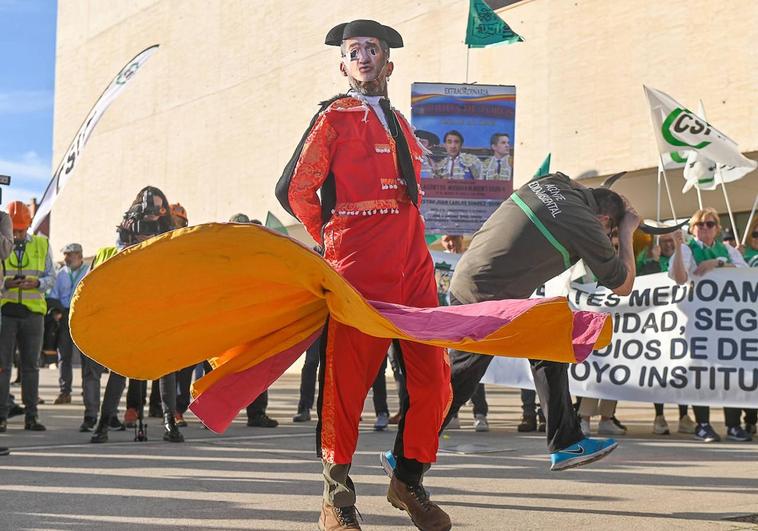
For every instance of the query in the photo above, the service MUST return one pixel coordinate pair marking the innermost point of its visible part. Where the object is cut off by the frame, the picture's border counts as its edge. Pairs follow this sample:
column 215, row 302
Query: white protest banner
column 679, row 129
column 71, row 157
column 690, row 344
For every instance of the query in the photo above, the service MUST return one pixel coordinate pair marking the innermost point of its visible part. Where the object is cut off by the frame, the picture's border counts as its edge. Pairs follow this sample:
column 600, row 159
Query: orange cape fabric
column 241, row 295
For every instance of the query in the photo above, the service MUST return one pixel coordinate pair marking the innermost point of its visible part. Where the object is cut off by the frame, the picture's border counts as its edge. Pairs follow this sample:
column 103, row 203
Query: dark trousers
column 258, row 406
column 91, row 373
column 393, row 354
column 731, row 415
column 308, row 377
column 550, row 380
column 136, row 394
column 66, row 351
column 379, row 391
column 479, row 399
column 659, row 410
column 183, row 384
column 26, row 332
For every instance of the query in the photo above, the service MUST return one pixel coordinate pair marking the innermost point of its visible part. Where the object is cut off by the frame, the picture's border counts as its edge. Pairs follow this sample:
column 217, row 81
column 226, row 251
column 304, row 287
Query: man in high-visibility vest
column 28, row 274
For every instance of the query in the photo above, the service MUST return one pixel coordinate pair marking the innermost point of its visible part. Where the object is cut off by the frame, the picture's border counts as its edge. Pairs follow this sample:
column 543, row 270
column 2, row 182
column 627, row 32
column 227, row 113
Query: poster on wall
column 467, row 171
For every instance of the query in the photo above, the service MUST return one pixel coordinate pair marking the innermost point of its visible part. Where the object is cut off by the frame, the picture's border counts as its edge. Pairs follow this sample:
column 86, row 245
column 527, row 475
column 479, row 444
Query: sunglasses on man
column 709, row 224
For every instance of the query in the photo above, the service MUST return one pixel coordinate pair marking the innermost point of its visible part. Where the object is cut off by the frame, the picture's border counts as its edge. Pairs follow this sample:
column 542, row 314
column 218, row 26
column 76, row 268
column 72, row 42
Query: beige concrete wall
column 215, row 114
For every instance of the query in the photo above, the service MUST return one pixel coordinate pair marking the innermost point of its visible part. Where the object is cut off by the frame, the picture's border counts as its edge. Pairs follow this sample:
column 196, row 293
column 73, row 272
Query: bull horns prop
column 647, row 226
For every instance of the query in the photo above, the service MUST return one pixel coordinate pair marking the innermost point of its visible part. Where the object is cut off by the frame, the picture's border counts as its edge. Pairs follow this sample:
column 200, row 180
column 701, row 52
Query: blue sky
column 27, row 82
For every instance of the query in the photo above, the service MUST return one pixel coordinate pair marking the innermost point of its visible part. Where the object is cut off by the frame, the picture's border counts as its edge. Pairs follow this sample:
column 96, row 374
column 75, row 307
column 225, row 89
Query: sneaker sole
column 661, row 432
column 386, row 466
column 581, row 460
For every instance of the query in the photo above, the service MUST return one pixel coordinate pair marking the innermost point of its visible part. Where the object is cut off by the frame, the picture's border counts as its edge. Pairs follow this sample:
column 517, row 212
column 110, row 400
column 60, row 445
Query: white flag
column 679, row 129
column 702, row 172
column 66, row 167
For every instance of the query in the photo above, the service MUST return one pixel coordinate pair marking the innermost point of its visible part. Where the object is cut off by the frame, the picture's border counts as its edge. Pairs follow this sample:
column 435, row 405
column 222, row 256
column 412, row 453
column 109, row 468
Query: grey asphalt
column 258, row 478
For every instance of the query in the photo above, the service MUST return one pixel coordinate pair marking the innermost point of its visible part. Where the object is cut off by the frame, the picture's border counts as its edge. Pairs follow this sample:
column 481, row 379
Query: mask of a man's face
column 366, row 65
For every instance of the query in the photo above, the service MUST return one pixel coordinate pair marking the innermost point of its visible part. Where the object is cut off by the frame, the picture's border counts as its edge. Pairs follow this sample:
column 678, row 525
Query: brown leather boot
column 415, row 501
column 335, row 518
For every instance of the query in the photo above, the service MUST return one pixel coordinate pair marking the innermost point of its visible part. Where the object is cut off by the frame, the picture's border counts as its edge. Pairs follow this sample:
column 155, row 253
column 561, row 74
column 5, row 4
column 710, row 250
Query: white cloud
column 25, row 101
column 29, row 176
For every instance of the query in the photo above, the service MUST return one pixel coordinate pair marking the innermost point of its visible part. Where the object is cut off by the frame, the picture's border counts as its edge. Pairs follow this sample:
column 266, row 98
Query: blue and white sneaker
column 582, row 453
column 387, row 460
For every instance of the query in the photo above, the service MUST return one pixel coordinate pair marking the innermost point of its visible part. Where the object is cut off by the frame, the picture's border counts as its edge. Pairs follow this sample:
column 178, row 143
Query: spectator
column 29, row 274
column 691, row 261
column 148, row 216
column 589, row 407
column 256, row 411
column 751, row 249
column 66, row 281
column 656, row 259
column 453, row 243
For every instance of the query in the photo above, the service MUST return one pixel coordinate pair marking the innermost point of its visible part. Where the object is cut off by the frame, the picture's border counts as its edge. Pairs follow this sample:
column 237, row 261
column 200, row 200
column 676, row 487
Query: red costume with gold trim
column 375, row 239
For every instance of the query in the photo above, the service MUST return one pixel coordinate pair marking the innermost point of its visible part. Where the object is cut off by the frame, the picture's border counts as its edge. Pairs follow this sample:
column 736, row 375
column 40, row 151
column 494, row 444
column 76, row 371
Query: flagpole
column 468, row 51
column 750, row 220
column 699, row 197
column 666, row 182
column 658, row 197
column 728, row 206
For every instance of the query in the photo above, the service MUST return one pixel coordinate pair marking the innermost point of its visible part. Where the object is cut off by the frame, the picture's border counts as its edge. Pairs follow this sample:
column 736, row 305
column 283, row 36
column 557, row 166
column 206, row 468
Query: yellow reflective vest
column 32, row 266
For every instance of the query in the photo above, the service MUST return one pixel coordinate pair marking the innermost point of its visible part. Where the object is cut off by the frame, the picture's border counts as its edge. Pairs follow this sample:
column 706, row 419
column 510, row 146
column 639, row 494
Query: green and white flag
column 702, row 172
column 679, row 129
column 485, row 27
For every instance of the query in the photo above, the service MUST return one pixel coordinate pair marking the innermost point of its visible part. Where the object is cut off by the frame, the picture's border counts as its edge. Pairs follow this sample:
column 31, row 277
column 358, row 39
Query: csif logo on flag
column 685, row 129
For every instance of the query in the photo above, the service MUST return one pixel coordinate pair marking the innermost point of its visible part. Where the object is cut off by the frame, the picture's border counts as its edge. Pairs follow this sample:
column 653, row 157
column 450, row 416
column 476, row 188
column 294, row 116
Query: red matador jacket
column 350, row 156
column 364, row 209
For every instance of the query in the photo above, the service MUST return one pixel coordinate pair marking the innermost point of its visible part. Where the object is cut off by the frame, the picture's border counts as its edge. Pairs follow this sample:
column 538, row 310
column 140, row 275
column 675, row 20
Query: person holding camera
column 28, row 274
column 148, row 216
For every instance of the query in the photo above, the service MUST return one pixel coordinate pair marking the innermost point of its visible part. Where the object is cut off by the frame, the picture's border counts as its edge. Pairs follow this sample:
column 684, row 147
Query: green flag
column 272, row 222
column 485, row 27
column 432, row 238
column 544, row 168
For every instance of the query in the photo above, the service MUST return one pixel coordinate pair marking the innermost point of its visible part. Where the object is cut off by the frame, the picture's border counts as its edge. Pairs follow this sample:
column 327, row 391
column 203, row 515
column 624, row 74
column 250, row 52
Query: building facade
column 214, row 116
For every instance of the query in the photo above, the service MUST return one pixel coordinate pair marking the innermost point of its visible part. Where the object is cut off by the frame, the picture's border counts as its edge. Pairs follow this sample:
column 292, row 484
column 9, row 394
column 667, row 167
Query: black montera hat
column 363, row 28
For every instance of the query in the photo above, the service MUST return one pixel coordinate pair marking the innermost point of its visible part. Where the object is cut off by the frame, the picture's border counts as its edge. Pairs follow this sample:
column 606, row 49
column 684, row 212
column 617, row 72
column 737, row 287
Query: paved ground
column 256, row 478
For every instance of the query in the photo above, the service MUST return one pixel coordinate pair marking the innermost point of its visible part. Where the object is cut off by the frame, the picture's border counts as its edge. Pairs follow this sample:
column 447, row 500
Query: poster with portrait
column 467, row 171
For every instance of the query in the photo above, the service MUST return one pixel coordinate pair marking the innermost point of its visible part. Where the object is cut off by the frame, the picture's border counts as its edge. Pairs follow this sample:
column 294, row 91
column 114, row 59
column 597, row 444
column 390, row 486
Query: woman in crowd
column 691, row 261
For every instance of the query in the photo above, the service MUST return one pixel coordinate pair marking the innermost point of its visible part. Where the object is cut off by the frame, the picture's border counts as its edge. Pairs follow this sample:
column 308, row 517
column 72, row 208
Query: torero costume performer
column 364, row 159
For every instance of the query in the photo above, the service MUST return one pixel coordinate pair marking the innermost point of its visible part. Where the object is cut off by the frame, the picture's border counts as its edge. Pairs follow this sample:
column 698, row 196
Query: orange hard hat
column 20, row 215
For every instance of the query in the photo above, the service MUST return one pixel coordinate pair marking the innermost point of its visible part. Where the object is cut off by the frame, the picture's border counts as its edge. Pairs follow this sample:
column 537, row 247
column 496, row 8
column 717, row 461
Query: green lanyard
column 543, row 229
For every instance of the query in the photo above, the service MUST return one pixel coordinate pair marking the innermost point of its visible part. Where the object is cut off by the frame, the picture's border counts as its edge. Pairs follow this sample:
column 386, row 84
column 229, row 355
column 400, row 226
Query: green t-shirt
column 751, row 257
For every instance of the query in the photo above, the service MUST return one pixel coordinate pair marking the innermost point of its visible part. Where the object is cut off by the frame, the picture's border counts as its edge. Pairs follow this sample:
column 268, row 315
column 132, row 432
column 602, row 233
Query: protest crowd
column 34, row 333
column 402, row 221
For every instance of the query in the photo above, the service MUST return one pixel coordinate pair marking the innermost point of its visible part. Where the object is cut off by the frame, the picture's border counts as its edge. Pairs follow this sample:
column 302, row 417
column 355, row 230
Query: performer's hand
column 678, row 237
column 631, row 219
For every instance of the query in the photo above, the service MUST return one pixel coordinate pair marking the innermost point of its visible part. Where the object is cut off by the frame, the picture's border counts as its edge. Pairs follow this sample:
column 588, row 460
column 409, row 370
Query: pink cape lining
column 219, row 404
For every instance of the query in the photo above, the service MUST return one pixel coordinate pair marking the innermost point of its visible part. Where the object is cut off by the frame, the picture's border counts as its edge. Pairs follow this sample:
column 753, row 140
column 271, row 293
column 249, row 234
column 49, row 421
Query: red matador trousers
column 385, row 257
